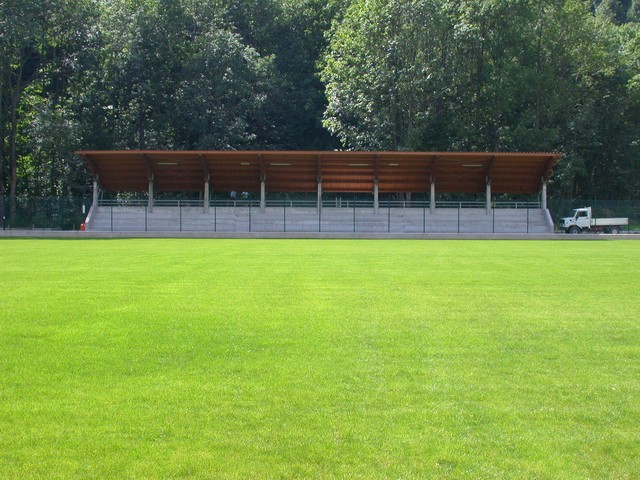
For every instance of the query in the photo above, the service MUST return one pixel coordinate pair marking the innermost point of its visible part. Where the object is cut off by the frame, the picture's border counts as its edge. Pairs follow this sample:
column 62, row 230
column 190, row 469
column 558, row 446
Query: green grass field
column 319, row 359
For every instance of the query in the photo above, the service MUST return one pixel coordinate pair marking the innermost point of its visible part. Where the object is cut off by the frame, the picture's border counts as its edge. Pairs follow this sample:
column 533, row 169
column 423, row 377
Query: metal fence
column 326, row 203
column 336, row 215
column 68, row 213
column 51, row 213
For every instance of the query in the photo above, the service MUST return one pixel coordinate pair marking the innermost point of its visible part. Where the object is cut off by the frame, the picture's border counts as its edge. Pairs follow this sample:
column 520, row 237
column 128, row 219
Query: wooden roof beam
column 263, row 171
column 492, row 163
column 93, row 166
column 205, row 167
column 148, row 167
column 548, row 168
column 434, row 166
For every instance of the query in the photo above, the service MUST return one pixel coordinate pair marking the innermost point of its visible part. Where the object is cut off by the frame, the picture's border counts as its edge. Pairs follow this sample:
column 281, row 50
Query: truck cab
column 581, row 219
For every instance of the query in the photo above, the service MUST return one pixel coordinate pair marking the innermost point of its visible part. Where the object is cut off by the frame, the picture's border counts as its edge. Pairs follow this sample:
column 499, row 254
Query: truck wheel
column 614, row 230
column 574, row 230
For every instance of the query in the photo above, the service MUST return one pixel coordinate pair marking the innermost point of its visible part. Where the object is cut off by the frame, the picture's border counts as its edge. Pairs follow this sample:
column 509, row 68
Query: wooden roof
column 299, row 171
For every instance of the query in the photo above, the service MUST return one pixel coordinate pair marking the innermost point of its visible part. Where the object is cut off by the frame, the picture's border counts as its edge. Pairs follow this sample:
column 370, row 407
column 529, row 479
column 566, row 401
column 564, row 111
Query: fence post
column 249, row 216
column 527, row 219
column 145, row 218
column 319, row 216
column 215, row 216
column 354, row 216
column 493, row 228
column 112, row 218
column 180, row 210
column 284, row 215
column 388, row 216
column 459, row 208
column 424, row 218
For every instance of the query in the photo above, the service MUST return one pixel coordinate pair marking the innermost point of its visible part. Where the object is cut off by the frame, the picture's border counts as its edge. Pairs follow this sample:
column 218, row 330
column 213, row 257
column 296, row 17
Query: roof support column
column 151, row 177
column 432, row 196
column 544, row 194
column 96, row 193
column 376, row 180
column 376, row 202
column 263, row 184
column 432, row 193
column 151, row 194
column 488, row 195
column 207, row 183
column 206, row 200
column 319, row 179
column 492, row 163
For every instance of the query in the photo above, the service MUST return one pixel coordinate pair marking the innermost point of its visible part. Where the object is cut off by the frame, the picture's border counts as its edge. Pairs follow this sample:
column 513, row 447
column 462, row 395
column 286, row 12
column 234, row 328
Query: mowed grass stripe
column 325, row 359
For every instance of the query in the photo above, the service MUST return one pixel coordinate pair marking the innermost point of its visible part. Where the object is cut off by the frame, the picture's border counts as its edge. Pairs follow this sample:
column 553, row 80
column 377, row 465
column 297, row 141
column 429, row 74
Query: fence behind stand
column 52, row 213
column 67, row 213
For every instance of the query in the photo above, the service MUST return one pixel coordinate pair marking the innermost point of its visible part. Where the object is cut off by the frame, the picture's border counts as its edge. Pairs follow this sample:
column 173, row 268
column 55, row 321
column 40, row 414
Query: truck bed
column 607, row 222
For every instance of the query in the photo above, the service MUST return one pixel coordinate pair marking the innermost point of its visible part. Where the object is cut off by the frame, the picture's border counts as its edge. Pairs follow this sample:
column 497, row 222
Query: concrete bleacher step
column 274, row 219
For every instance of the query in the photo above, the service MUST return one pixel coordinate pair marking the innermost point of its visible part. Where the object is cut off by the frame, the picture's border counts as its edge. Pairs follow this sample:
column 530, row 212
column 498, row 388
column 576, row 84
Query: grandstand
column 292, row 191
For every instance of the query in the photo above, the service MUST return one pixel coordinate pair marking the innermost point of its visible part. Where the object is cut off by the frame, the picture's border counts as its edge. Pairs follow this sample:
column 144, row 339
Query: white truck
column 582, row 220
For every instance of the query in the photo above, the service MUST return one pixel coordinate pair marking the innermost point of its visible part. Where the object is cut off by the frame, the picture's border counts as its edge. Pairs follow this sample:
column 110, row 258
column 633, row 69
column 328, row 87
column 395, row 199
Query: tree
column 220, row 99
column 144, row 53
column 40, row 47
column 489, row 75
column 23, row 33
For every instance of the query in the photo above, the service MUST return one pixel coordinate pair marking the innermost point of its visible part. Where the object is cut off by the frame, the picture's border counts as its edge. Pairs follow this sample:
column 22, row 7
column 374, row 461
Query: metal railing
column 67, row 213
column 48, row 213
column 303, row 216
column 326, row 203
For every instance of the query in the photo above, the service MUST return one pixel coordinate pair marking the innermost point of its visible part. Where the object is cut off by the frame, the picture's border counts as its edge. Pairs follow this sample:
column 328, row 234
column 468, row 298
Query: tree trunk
column 2, row 212
column 479, row 80
column 13, row 138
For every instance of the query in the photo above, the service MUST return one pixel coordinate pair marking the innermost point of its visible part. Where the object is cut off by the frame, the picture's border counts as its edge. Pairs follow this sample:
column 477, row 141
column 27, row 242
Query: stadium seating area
column 329, row 219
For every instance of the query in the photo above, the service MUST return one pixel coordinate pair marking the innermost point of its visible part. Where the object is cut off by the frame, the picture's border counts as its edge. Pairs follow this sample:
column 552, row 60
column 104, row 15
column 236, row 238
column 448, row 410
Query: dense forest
column 476, row 75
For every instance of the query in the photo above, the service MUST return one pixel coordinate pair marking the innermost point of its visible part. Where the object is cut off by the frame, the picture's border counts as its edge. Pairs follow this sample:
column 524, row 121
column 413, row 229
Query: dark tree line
column 561, row 75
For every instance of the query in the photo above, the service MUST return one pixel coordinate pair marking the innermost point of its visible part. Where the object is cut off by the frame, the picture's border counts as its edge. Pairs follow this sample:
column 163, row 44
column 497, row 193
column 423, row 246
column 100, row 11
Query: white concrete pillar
column 151, row 195
column 544, row 195
column 263, row 195
column 319, row 195
column 432, row 198
column 206, row 196
column 488, row 196
column 96, row 193
column 376, row 202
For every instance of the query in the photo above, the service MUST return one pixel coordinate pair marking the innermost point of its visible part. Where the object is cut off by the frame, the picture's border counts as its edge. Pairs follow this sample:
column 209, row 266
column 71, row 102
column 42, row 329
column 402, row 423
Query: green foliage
column 491, row 75
column 41, row 51
column 319, row 359
column 379, row 74
column 222, row 94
